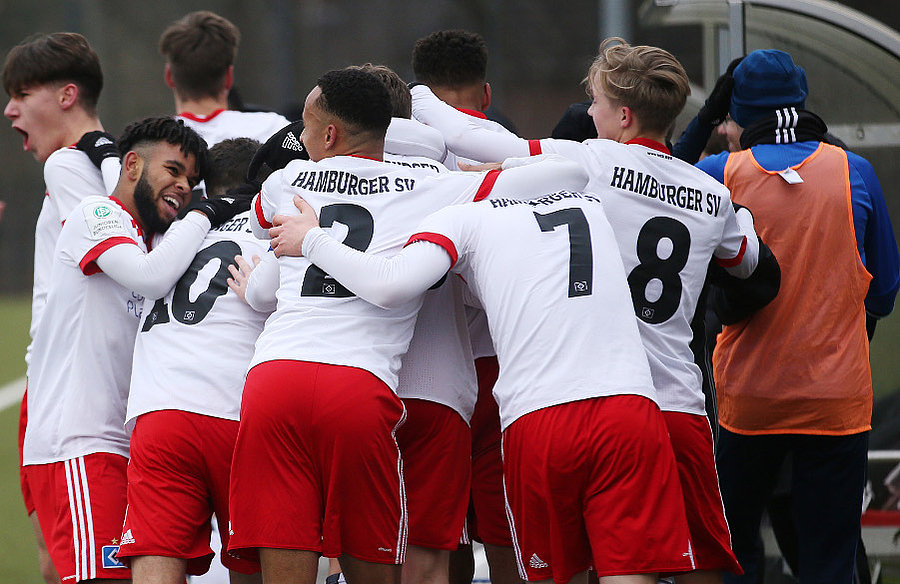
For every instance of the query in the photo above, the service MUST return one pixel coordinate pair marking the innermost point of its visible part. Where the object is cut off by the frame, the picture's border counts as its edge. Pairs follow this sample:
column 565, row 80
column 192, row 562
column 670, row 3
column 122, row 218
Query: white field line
column 11, row 393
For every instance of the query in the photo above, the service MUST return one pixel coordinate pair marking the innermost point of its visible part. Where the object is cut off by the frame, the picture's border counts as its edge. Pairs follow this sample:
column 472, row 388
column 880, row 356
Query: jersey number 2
column 191, row 312
column 360, row 227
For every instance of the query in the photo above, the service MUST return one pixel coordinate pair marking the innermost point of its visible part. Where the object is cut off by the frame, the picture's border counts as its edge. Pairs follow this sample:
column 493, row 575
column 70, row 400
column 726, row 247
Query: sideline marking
column 12, row 393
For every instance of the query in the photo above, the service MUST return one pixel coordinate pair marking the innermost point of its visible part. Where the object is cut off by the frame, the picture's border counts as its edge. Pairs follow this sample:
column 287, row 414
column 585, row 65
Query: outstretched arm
column 464, row 136
column 153, row 274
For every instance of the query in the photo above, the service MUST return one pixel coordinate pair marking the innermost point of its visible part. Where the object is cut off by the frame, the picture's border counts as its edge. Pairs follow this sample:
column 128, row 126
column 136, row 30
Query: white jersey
column 194, row 345
column 224, row 124
column 550, row 278
column 372, row 206
column 670, row 219
column 439, row 365
column 69, row 176
column 81, row 360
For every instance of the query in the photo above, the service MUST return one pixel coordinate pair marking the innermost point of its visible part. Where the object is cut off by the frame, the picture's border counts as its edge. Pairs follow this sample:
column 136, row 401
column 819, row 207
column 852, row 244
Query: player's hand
column 221, row 209
column 288, row 231
column 282, row 147
column 240, row 275
column 98, row 146
column 480, row 167
column 718, row 103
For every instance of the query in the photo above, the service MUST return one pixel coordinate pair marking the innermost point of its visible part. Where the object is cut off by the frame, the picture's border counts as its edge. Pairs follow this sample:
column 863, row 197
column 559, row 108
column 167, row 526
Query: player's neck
column 204, row 106
column 125, row 195
column 470, row 98
column 77, row 124
column 373, row 149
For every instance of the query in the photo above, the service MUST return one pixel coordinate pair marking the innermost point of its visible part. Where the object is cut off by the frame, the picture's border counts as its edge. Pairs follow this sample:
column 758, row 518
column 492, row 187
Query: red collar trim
column 473, row 113
column 366, row 157
column 134, row 221
column 650, row 144
column 201, row 119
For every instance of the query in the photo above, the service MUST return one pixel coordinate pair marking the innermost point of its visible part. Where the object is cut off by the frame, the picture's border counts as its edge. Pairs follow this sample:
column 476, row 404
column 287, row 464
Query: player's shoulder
column 70, row 160
column 407, row 137
column 95, row 215
column 264, row 123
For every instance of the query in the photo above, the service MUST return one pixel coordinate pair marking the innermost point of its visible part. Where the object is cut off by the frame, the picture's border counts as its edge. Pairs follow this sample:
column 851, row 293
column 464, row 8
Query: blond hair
column 648, row 80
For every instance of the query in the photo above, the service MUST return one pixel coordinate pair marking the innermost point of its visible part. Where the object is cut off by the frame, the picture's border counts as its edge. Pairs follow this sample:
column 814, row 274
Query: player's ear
column 170, row 82
column 132, row 165
column 68, row 95
column 626, row 117
column 486, row 97
column 229, row 78
column 331, row 136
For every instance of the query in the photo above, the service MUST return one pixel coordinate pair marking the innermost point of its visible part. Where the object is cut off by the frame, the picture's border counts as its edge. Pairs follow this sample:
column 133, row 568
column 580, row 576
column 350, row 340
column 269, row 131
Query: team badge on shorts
column 109, row 557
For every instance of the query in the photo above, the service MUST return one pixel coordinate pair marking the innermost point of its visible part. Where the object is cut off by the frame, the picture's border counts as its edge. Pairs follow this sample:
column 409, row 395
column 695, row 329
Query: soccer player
column 822, row 211
column 453, row 63
column 53, row 82
column 326, row 349
column 76, row 447
column 200, row 50
column 589, row 473
column 184, row 412
column 669, row 221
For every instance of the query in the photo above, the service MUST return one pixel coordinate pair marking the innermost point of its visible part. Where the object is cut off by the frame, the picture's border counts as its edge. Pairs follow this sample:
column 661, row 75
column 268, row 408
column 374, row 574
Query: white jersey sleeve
column 464, row 135
column 263, row 284
column 152, row 274
column 407, row 137
column 70, row 176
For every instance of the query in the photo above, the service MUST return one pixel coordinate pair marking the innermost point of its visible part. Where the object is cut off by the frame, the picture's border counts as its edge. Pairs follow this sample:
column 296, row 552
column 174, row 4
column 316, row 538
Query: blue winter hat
column 766, row 80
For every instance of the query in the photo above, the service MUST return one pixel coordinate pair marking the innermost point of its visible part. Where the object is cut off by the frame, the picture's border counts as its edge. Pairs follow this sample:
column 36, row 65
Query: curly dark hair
column 358, row 98
column 165, row 129
column 450, row 58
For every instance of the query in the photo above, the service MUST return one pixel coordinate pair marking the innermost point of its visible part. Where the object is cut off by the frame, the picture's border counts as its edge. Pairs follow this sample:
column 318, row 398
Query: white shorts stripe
column 512, row 523
column 89, row 520
column 74, row 515
column 400, row 556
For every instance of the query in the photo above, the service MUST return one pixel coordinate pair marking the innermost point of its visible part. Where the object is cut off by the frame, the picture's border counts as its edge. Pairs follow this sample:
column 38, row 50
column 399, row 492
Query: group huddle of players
column 351, row 348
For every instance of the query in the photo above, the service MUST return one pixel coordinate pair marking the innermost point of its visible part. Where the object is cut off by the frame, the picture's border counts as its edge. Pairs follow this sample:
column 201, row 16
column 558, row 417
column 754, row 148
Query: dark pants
column 829, row 474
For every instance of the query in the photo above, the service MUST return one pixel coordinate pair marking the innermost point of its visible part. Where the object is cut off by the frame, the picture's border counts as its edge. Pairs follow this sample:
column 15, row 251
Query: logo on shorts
column 536, row 562
column 383, row 549
column 109, row 557
column 127, row 538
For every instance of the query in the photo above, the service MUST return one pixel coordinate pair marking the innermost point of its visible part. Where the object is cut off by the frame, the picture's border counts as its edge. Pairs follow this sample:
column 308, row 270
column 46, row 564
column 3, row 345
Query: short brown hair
column 228, row 162
column 200, row 47
column 649, row 80
column 401, row 100
column 60, row 57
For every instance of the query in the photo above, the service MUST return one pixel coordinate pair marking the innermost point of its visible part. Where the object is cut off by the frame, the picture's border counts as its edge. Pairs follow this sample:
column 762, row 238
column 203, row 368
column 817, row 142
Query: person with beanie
column 793, row 379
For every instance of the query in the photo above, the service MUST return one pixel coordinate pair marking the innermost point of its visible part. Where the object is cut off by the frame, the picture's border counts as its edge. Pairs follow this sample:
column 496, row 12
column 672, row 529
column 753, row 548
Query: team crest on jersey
column 110, row 560
column 102, row 220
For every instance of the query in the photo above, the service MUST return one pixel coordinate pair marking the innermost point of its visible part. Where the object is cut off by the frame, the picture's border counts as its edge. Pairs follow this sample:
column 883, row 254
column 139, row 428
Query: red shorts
column 594, row 482
column 80, row 505
column 692, row 443
column 316, row 464
column 23, row 476
column 487, row 522
column 177, row 478
column 435, row 443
